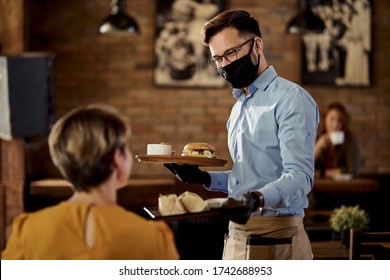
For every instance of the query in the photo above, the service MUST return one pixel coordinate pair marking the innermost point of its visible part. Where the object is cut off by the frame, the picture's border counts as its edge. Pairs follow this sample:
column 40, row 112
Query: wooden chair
column 369, row 245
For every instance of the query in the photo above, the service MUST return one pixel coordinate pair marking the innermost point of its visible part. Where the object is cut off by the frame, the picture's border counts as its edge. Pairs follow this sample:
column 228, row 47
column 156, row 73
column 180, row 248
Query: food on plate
column 187, row 202
column 170, row 205
column 199, row 150
column 192, row 202
column 164, row 149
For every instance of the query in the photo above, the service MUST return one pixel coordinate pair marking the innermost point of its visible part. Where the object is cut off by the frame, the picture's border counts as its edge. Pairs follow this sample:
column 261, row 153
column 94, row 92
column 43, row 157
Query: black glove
column 235, row 211
column 189, row 174
column 251, row 200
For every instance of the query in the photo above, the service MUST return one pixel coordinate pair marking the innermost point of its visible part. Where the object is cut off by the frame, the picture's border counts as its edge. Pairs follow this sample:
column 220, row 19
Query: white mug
column 336, row 137
column 159, row 149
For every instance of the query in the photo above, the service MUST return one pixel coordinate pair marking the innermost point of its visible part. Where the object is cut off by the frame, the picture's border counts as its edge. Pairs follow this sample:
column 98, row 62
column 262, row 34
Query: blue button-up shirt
column 271, row 137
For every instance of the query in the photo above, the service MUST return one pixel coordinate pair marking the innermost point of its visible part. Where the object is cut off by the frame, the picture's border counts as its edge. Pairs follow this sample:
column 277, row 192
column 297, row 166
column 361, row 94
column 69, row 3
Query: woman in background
column 336, row 151
column 89, row 147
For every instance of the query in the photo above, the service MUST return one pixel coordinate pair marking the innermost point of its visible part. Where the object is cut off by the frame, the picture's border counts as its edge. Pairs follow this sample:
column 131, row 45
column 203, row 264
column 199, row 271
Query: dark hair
column 238, row 19
column 339, row 107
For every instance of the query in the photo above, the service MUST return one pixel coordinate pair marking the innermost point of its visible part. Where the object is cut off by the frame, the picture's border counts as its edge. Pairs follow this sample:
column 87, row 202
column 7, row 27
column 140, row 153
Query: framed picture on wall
column 341, row 54
column 181, row 60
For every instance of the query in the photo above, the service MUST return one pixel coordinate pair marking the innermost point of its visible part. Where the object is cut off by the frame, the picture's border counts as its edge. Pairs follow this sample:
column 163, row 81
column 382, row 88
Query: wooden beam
column 11, row 27
column 12, row 163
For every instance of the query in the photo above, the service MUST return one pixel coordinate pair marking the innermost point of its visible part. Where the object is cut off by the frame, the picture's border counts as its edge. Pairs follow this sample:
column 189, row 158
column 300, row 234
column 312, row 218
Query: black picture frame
column 341, row 55
column 181, row 60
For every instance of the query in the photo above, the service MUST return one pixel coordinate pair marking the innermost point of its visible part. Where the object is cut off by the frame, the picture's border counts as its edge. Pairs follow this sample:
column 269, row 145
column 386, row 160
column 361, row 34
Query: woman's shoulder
column 24, row 220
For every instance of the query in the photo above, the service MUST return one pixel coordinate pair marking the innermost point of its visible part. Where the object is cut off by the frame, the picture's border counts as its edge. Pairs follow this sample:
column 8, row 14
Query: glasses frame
column 217, row 59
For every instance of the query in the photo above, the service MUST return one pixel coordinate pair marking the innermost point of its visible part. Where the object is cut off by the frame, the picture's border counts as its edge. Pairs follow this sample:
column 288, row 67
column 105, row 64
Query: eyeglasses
column 230, row 54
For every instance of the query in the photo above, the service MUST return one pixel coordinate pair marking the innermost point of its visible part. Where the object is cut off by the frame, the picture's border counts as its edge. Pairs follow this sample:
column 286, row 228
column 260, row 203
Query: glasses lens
column 215, row 61
column 230, row 55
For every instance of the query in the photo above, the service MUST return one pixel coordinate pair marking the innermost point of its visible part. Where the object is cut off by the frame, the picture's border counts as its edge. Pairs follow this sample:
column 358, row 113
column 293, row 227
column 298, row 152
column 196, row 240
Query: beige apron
column 268, row 238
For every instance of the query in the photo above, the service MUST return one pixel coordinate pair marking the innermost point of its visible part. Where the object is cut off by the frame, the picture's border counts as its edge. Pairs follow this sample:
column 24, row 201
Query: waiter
column 271, row 137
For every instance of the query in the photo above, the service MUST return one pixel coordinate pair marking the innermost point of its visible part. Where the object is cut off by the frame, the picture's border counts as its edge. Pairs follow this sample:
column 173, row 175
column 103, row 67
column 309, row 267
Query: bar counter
column 139, row 192
column 352, row 186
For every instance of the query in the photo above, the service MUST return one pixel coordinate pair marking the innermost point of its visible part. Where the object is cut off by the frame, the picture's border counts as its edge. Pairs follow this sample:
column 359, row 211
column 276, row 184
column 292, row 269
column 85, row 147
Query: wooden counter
column 47, row 186
column 328, row 194
column 355, row 185
column 139, row 192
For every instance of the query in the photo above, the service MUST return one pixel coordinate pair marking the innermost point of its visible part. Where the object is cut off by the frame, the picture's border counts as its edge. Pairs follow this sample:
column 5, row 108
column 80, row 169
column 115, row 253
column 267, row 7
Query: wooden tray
column 155, row 214
column 181, row 160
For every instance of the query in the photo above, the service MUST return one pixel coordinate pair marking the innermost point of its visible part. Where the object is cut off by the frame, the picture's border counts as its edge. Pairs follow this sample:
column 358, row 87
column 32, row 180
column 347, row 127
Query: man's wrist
column 206, row 179
column 260, row 199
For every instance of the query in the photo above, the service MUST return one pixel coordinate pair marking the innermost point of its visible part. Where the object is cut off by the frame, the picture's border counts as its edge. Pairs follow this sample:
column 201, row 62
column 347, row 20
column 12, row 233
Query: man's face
column 223, row 42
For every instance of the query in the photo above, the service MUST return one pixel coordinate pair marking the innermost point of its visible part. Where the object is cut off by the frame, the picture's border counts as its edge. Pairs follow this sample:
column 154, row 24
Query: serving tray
column 155, row 214
column 231, row 210
column 201, row 161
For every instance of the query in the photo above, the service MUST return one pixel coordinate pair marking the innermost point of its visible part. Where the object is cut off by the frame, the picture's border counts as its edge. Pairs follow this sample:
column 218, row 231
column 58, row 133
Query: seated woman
column 89, row 147
column 336, row 150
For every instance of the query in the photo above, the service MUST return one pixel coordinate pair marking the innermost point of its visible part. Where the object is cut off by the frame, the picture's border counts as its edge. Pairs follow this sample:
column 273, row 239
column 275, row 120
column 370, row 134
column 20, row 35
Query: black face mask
column 240, row 73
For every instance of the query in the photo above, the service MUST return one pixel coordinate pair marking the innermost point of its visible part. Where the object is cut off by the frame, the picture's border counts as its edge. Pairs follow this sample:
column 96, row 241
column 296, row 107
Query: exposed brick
column 119, row 71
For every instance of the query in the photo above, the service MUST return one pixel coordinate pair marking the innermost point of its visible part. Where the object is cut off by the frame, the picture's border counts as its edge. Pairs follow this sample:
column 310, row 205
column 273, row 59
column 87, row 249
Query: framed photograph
column 341, row 55
column 181, row 58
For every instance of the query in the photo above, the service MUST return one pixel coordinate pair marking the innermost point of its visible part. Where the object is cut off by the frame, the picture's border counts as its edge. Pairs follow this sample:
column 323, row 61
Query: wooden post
column 12, row 165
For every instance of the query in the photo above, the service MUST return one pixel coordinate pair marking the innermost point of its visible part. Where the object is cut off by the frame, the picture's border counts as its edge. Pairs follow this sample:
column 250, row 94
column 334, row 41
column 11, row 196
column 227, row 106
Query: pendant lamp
column 118, row 22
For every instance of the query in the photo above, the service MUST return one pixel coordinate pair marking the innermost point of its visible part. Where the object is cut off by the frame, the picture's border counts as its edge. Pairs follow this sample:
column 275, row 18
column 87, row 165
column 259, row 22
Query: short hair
column 238, row 19
column 82, row 144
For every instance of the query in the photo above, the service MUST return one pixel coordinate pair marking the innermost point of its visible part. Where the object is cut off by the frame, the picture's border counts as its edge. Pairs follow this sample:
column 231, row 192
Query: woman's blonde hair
column 82, row 144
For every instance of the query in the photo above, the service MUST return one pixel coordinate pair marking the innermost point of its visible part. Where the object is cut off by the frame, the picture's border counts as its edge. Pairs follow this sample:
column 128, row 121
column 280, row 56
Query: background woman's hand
column 322, row 143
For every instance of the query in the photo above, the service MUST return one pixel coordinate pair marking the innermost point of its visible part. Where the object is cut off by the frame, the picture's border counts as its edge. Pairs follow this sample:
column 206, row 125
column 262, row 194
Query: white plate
column 343, row 177
column 215, row 203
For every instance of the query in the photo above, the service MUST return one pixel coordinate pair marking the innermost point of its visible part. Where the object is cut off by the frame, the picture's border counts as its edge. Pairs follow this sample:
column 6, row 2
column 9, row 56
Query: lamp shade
column 118, row 22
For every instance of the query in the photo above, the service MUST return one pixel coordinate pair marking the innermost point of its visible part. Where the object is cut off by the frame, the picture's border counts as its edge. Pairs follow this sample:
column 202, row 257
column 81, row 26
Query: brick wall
column 119, row 71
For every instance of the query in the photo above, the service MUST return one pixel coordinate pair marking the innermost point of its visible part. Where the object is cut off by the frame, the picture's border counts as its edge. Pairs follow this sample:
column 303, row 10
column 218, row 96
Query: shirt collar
column 261, row 82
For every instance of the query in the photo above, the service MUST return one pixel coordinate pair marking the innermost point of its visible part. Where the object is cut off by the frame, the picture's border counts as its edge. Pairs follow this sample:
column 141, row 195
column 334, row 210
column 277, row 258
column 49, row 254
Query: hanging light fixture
column 118, row 22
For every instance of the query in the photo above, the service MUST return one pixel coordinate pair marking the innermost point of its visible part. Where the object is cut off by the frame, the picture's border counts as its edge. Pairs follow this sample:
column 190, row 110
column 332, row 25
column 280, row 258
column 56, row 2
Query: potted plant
column 347, row 217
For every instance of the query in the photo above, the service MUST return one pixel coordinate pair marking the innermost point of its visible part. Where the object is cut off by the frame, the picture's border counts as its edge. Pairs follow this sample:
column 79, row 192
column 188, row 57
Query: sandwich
column 170, row 205
column 199, row 150
column 192, row 202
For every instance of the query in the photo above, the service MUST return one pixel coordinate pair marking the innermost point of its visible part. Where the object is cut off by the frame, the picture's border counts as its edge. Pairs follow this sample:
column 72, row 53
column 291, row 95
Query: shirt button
column 237, row 182
column 309, row 133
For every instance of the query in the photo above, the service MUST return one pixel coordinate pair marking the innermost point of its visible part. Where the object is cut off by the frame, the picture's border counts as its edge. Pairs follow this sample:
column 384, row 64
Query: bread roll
column 192, row 202
column 170, row 205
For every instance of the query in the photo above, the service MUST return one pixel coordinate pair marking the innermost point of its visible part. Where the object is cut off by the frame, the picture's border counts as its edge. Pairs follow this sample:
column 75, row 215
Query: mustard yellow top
column 57, row 232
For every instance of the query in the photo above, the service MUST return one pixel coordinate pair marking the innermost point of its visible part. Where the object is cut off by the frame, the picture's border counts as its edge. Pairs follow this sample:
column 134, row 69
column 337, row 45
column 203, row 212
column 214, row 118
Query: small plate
column 215, row 203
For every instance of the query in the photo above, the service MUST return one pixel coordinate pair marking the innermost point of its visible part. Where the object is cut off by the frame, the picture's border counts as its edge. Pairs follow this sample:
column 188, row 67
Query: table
column 353, row 186
column 48, row 186
column 330, row 193
column 329, row 250
column 139, row 192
